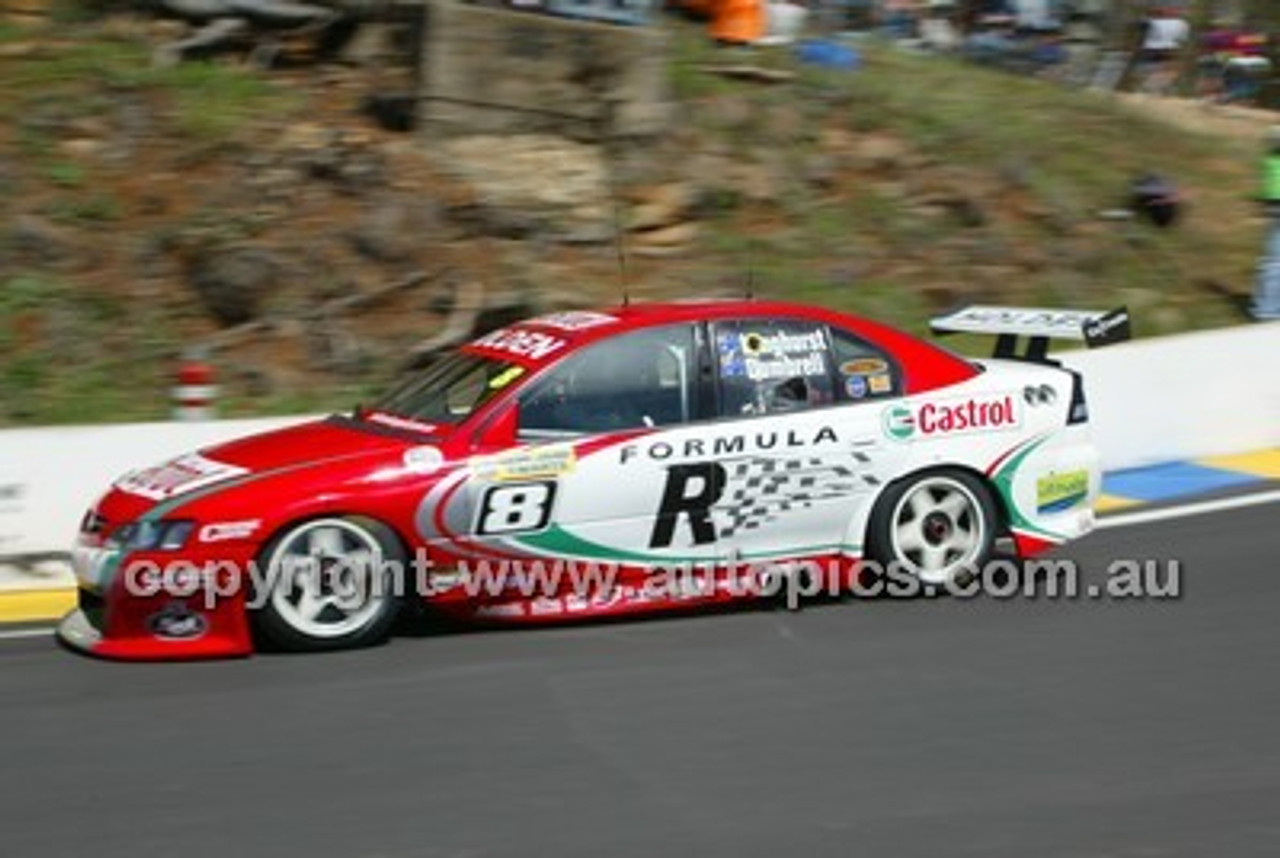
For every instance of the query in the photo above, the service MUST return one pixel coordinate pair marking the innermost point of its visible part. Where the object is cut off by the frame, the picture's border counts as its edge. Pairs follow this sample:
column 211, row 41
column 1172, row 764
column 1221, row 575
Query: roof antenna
column 621, row 245
column 607, row 130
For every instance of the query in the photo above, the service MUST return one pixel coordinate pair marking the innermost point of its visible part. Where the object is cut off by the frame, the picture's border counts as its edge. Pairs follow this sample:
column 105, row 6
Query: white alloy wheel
column 330, row 585
column 937, row 526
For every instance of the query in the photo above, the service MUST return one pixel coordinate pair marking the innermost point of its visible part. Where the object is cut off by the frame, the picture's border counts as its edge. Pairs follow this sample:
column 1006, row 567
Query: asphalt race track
column 1020, row 728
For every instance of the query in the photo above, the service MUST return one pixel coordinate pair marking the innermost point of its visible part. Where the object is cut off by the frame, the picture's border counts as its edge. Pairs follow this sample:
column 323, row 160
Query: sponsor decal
column 864, row 366
column 181, row 475
column 546, row 606
column 621, row 596
column 1030, row 319
column 733, row 363
column 533, row 345
column 942, row 417
column 550, row 460
column 423, row 460
column 177, row 622
column 899, row 422
column 855, row 386
column 226, row 530
column 1058, row 492
column 505, row 377
column 880, row 383
column 750, row 493
column 502, row 609
column 744, row 444
column 1110, row 328
column 574, row 320
column 396, row 422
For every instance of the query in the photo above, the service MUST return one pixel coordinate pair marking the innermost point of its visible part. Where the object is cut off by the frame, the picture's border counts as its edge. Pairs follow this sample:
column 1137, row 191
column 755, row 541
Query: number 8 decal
column 515, row 508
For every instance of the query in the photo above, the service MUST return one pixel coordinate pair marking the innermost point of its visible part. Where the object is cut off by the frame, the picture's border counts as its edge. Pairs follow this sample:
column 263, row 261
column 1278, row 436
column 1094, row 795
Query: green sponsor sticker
column 899, row 422
column 1057, row 492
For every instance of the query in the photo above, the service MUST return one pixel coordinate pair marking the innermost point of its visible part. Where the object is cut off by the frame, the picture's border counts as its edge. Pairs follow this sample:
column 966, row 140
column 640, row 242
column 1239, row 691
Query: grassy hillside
column 897, row 190
column 988, row 185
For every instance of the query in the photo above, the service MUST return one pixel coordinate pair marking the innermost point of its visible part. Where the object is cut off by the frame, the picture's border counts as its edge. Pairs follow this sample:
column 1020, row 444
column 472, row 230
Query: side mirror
column 499, row 431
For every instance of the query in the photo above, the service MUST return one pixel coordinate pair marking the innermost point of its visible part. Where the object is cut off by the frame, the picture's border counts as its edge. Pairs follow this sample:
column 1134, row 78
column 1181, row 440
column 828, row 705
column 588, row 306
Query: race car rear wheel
column 937, row 527
column 328, row 584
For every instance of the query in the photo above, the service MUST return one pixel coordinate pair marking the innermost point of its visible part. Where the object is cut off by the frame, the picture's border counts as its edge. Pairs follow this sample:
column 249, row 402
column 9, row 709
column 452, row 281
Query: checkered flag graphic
column 763, row 489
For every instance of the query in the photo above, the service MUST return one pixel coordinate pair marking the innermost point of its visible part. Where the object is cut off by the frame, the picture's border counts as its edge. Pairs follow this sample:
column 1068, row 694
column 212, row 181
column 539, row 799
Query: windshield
column 449, row 390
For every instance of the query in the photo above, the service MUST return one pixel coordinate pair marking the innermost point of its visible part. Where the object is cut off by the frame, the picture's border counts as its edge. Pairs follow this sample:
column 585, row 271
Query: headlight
column 165, row 535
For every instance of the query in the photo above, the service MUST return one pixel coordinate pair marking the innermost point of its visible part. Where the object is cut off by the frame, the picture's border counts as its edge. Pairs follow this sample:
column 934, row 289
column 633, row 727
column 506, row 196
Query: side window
column 638, row 380
column 767, row 366
column 864, row 371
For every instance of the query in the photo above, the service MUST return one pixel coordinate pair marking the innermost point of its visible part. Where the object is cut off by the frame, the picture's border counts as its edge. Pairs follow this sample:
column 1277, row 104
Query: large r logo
column 691, row 490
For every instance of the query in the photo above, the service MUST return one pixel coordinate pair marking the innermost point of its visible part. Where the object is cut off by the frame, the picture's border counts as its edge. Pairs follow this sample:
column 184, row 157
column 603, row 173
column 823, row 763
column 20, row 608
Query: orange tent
column 737, row 21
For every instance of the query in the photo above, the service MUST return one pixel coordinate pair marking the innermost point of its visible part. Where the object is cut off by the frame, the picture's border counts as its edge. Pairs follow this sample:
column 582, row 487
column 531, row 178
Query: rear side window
column 766, row 366
column 863, row 371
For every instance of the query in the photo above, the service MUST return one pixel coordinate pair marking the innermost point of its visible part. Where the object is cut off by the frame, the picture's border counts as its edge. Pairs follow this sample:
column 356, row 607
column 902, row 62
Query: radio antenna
column 621, row 245
column 606, row 130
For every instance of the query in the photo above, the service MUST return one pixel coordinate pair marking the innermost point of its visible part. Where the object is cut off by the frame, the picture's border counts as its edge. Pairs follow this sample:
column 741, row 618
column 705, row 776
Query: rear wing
column 1093, row 327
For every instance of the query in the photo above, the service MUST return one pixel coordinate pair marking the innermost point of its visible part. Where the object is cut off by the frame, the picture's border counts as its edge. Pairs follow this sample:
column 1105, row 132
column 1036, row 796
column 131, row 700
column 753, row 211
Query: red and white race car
column 589, row 464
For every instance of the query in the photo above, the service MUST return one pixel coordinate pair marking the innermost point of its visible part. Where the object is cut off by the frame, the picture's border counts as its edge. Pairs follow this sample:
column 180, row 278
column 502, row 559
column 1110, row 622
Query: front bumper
column 118, row 619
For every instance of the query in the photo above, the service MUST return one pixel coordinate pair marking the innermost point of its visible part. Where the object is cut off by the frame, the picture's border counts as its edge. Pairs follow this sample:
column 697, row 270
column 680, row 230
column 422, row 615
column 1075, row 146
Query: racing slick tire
column 932, row 529
column 328, row 584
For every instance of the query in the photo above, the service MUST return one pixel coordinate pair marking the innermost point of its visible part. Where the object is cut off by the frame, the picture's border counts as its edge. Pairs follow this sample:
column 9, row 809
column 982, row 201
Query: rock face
column 393, row 231
column 232, row 282
column 492, row 71
column 26, row 12
column 35, row 242
column 536, row 181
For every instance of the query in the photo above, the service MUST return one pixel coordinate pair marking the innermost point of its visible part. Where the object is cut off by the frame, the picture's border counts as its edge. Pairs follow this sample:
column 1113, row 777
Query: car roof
column 925, row 365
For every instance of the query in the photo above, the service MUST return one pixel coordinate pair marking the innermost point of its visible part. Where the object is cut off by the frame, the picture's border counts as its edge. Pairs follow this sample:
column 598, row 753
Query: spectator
column 1233, row 64
column 900, row 19
column 1266, row 302
column 937, row 32
column 1164, row 36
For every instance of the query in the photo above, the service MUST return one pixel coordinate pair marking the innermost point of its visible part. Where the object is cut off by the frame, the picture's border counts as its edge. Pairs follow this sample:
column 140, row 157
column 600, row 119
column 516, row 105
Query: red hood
column 334, row 438
column 341, row 446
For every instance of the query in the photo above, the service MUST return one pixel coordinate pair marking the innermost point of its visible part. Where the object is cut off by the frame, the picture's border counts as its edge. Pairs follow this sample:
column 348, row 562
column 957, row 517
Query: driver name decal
column 764, row 357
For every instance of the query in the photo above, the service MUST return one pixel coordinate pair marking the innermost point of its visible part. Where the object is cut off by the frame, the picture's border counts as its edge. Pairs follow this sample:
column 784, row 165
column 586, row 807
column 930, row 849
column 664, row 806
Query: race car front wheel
column 936, row 527
column 328, row 584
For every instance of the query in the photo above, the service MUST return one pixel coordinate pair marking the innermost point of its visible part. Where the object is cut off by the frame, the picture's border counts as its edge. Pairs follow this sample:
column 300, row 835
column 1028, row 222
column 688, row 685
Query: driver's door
column 601, row 437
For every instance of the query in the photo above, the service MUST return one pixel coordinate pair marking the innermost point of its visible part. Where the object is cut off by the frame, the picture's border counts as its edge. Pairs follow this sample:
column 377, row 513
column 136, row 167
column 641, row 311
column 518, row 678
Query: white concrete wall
column 1179, row 397
column 1150, row 401
column 49, row 477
